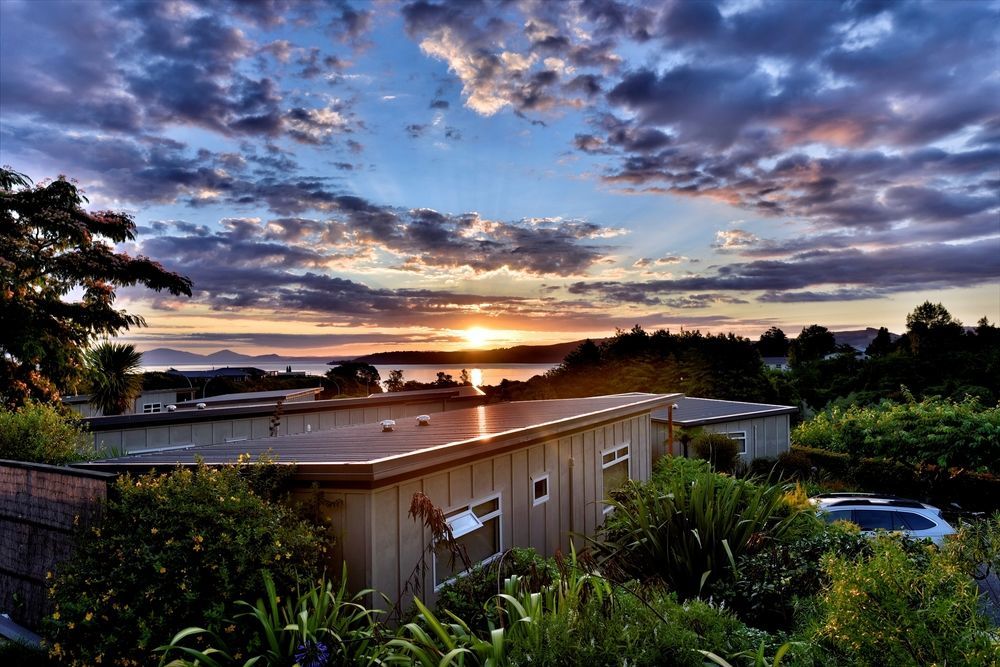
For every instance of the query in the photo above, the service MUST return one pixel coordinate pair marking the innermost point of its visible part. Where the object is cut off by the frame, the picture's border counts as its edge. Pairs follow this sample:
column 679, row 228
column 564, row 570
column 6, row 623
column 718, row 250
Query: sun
column 478, row 336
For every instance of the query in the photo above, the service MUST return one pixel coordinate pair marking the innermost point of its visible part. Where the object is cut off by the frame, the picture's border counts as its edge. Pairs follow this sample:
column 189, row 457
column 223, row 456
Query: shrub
column 173, row 550
column 669, row 468
column 721, row 451
column 41, row 433
column 470, row 595
column 903, row 606
column 687, row 533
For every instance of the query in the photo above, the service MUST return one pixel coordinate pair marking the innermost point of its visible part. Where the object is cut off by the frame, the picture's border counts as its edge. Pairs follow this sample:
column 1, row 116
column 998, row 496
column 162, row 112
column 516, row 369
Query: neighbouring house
column 149, row 401
column 238, row 373
column 528, row 474
column 260, row 416
column 761, row 429
column 777, row 363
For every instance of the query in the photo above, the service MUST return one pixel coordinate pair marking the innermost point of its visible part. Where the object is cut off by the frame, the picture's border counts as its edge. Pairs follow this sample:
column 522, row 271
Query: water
column 482, row 374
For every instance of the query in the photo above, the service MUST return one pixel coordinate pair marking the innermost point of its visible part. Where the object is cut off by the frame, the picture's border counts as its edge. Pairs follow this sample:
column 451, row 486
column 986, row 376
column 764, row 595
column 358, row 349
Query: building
column 149, row 401
column 259, row 417
column 529, row 474
column 271, row 397
column 777, row 363
column 761, row 429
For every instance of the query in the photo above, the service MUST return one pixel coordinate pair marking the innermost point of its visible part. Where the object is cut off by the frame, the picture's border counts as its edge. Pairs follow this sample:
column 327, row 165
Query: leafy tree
column 464, row 378
column 51, row 247
column 814, row 343
column 114, row 376
column 773, row 343
column 395, row 381
column 355, row 378
column 881, row 345
column 931, row 329
column 444, row 380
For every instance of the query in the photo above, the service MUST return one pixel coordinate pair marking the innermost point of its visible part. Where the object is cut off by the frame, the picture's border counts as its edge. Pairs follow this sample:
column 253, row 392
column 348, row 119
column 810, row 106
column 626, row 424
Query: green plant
column 902, row 606
column 113, row 370
column 721, row 451
column 321, row 626
column 42, row 433
column 173, row 550
column 688, row 532
column 472, row 597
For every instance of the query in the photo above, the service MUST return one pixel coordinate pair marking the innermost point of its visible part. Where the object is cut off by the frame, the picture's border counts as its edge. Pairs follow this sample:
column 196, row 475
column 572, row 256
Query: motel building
column 522, row 474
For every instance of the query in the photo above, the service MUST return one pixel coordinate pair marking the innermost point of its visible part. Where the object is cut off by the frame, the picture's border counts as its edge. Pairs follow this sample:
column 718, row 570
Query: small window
column 540, row 489
column 837, row 515
column 476, row 528
column 148, row 408
column 873, row 519
column 614, row 463
column 911, row 521
column 741, row 440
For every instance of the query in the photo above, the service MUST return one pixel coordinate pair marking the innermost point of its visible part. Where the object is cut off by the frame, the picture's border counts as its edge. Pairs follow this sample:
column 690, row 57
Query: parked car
column 874, row 512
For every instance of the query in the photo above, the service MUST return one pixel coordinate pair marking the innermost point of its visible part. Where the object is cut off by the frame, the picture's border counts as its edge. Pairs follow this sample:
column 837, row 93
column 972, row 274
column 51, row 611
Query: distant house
column 239, row 373
column 238, row 417
column 761, row 429
column 777, row 363
column 529, row 474
column 148, row 402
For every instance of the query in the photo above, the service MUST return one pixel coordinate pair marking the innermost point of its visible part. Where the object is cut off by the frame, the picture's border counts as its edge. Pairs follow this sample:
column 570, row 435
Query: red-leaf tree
column 58, row 276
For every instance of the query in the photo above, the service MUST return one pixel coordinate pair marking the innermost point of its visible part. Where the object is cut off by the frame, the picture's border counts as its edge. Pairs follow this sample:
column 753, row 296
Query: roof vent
column 171, row 408
column 388, row 424
column 201, row 406
column 423, row 420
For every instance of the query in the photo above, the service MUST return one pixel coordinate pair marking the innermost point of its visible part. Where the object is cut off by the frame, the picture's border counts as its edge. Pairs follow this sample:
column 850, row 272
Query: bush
column 470, row 595
column 41, row 433
column 902, row 606
column 688, row 532
column 173, row 550
column 721, row 451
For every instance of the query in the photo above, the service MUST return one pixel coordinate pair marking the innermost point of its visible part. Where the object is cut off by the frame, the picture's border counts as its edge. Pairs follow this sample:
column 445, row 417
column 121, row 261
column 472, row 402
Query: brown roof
column 692, row 411
column 365, row 453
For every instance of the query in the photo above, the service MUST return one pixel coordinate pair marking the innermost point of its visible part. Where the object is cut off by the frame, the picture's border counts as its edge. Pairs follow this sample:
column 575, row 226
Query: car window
column 911, row 521
column 837, row 515
column 874, row 519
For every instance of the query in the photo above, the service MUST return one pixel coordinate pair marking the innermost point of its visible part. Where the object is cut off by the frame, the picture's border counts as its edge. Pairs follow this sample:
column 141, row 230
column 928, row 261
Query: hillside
column 521, row 354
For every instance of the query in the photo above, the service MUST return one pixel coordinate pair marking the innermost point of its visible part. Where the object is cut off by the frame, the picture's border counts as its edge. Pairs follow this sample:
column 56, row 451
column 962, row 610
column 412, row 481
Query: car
column 876, row 512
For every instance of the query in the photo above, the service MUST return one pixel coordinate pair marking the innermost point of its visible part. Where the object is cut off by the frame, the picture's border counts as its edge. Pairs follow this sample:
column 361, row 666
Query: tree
column 930, row 328
column 114, row 376
column 812, row 344
column 355, row 378
column 773, row 343
column 464, row 378
column 395, row 381
column 444, row 380
column 51, row 249
column 881, row 345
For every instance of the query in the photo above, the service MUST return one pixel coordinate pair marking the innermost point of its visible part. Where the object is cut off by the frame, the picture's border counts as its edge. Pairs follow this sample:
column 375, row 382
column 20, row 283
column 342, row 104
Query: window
column 540, row 489
column 614, row 463
column 148, row 408
column 741, row 440
column 911, row 521
column 838, row 515
column 476, row 528
column 873, row 519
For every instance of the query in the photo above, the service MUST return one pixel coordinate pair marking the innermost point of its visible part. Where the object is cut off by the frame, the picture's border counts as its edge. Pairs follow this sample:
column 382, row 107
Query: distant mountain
column 164, row 356
column 859, row 339
column 521, row 354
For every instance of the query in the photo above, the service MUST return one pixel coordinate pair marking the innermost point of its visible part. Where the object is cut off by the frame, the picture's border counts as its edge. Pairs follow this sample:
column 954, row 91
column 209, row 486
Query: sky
column 347, row 177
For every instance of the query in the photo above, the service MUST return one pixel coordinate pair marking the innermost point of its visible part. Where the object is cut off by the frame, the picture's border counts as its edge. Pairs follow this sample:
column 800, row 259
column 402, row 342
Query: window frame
column 738, row 436
column 152, row 408
column 616, row 459
column 465, row 510
column 537, row 500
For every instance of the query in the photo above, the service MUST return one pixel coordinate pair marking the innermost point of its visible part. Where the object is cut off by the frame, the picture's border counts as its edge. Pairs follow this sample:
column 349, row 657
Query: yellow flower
column 48, row 575
column 55, row 616
column 89, row 616
column 163, row 570
column 154, row 531
column 71, row 625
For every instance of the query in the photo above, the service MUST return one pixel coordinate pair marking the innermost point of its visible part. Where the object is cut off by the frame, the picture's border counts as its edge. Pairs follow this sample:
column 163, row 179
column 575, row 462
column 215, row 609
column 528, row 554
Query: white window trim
column 617, row 458
column 534, row 480
column 739, row 436
column 460, row 511
column 153, row 408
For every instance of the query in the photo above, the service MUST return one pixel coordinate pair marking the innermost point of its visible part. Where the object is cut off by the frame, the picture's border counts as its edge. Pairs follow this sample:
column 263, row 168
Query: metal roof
column 365, row 453
column 251, row 397
column 697, row 411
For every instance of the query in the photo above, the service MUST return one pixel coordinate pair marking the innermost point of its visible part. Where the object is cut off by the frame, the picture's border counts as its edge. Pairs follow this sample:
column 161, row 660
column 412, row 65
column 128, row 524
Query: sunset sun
column 478, row 336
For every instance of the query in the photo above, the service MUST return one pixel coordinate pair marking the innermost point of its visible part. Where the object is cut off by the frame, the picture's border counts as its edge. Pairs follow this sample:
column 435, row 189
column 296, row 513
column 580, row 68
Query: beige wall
column 247, row 427
column 383, row 546
column 766, row 436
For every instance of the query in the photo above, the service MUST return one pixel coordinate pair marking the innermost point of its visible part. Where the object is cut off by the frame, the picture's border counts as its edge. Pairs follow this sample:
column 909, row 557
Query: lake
column 482, row 374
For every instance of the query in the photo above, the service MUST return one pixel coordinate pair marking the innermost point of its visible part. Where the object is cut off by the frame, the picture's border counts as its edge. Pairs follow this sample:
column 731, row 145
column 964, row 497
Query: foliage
column 899, row 606
column 173, row 550
column 395, row 381
column 354, row 378
column 773, row 343
column 975, row 547
column 721, row 451
column 323, row 625
column 769, row 583
column 51, row 247
column 470, row 595
column 690, row 533
column 812, row 344
column 940, row 431
column 113, row 370
column 42, row 433
column 22, row 654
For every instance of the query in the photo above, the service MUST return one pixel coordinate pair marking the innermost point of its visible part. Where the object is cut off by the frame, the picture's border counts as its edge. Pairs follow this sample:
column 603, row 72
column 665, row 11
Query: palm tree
column 114, row 374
